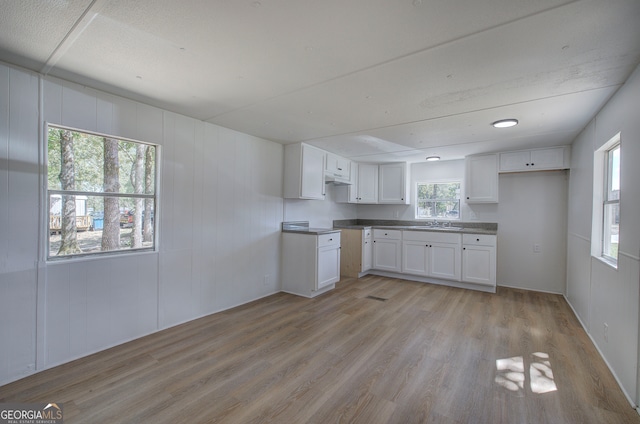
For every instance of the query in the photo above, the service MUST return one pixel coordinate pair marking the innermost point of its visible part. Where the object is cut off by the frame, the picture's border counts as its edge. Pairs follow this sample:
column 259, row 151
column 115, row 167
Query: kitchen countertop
column 302, row 227
column 458, row 228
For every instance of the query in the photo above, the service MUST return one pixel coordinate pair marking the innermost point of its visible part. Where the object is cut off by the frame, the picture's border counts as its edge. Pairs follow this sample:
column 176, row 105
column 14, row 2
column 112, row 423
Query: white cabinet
column 337, row 168
column 479, row 259
column 393, row 183
column 431, row 254
column 303, row 172
column 387, row 250
column 310, row 263
column 328, row 262
column 367, row 183
column 535, row 160
column 481, row 179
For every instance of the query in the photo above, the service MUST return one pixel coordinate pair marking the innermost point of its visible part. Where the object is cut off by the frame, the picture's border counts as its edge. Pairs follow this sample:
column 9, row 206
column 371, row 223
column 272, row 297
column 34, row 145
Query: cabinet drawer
column 479, row 239
column 328, row 239
column 431, row 236
column 366, row 233
column 387, row 234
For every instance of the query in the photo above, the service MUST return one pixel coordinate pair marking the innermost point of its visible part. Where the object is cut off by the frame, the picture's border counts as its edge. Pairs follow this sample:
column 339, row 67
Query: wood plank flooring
column 426, row 354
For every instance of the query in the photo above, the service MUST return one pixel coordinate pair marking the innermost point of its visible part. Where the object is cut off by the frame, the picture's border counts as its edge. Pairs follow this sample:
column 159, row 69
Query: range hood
column 335, row 179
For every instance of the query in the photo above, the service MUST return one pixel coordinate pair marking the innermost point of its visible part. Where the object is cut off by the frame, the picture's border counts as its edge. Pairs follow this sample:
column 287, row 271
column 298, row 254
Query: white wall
column 219, row 215
column 319, row 213
column 598, row 293
column 533, row 210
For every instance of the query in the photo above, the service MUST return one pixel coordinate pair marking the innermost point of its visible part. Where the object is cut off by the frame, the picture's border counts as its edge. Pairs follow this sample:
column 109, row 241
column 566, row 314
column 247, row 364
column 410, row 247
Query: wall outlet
column 396, row 214
column 606, row 332
column 266, row 280
column 536, row 248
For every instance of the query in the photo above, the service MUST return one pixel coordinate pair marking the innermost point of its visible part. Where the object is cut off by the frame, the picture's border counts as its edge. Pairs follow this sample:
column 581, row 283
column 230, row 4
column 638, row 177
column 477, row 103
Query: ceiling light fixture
column 505, row 123
column 432, row 158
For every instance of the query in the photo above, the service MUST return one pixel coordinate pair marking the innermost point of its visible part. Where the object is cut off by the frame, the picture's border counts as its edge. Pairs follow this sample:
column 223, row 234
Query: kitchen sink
column 430, row 227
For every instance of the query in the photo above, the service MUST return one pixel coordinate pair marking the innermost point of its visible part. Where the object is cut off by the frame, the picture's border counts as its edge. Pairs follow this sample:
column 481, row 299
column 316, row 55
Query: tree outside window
column 438, row 200
column 101, row 193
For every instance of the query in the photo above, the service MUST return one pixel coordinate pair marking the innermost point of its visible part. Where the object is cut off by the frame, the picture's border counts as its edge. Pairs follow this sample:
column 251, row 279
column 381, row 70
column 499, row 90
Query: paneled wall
column 219, row 214
column 533, row 211
column 598, row 293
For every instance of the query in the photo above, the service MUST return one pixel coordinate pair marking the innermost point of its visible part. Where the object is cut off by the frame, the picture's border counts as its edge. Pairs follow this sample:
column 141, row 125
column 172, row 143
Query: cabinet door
column 415, row 257
column 312, row 173
column 328, row 266
column 548, row 158
column 445, row 261
column 479, row 264
column 367, row 254
column 515, row 161
column 367, row 183
column 386, row 255
column 482, row 179
column 393, row 183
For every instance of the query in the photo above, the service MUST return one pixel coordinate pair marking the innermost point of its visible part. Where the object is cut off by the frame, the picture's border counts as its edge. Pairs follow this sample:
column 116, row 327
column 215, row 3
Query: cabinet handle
column 477, row 239
column 527, row 164
column 464, row 248
column 467, row 197
column 532, row 163
column 386, row 234
column 332, row 240
column 339, row 169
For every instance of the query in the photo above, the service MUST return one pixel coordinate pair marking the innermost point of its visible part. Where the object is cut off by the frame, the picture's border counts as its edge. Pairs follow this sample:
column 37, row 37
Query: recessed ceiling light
column 505, row 123
column 432, row 158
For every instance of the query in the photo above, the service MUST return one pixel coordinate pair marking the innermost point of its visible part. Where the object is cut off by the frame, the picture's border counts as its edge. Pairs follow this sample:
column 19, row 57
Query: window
column 611, row 204
column 100, row 193
column 605, row 223
column 438, row 200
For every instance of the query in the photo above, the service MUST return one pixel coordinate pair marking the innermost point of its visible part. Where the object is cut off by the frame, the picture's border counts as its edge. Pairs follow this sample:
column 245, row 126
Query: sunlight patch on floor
column 510, row 374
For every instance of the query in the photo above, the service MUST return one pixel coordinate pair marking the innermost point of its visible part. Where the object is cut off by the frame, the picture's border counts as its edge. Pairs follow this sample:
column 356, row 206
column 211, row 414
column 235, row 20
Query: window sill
column 609, row 262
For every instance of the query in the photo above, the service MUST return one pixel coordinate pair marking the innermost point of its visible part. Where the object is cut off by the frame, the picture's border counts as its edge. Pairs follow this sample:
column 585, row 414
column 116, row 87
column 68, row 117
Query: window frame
column 48, row 193
column 608, row 201
column 438, row 182
column 600, row 194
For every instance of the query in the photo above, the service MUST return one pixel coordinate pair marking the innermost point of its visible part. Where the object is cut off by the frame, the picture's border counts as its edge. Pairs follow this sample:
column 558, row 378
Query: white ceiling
column 372, row 80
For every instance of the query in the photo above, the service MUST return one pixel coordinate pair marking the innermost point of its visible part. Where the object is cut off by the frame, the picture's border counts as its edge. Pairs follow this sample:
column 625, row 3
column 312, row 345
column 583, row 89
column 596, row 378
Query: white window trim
column 44, row 195
column 599, row 187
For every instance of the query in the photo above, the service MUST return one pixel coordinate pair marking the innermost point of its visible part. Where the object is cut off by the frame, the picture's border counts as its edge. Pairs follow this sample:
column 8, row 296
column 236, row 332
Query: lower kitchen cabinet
column 310, row 263
column 479, row 259
column 431, row 254
column 387, row 250
column 440, row 257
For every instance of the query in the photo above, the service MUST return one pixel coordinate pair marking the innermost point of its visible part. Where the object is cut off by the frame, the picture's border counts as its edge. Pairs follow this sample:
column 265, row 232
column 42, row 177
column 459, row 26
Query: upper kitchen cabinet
column 367, row 183
column 304, row 172
column 535, row 160
column 393, row 186
column 481, row 178
column 337, row 168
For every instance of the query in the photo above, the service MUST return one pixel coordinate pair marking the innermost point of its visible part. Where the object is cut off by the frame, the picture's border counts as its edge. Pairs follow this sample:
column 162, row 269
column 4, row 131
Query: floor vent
column 376, row 298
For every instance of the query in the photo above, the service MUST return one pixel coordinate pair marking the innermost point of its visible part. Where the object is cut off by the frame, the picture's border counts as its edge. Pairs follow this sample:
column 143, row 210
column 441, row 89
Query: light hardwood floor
column 426, row 354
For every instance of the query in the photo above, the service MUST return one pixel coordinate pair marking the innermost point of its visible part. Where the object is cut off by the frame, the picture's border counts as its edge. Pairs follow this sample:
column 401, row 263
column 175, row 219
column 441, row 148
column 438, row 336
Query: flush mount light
column 432, row 158
column 505, row 123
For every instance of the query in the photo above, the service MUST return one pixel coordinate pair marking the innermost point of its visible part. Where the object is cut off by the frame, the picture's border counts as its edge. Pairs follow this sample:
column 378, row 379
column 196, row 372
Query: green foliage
column 89, row 166
column 438, row 200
